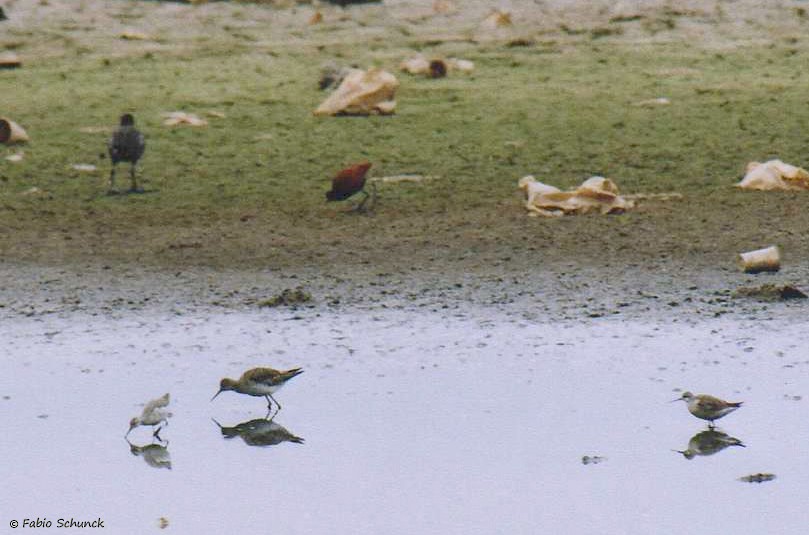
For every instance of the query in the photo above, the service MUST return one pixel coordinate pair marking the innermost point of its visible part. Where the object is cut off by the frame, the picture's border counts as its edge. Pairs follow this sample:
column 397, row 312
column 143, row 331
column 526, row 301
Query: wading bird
column 707, row 407
column 153, row 415
column 126, row 145
column 259, row 382
column 349, row 182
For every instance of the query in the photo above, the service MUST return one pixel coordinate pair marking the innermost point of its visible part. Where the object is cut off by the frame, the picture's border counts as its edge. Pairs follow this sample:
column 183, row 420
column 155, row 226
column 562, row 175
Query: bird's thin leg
column 373, row 194
column 269, row 403
column 112, row 180
column 362, row 203
column 276, row 401
column 133, row 178
column 156, row 434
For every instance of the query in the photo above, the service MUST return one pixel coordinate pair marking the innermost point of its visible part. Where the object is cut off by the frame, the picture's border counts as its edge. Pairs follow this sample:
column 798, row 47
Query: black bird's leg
column 269, row 403
column 156, row 434
column 276, row 402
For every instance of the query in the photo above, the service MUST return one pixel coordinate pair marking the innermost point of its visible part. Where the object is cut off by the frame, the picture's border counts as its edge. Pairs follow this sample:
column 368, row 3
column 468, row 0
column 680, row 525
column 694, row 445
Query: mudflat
column 235, row 211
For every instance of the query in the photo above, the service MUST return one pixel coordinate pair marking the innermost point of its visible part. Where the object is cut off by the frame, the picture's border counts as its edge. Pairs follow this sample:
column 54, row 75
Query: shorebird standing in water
column 126, row 145
column 707, row 407
column 153, row 415
column 259, row 382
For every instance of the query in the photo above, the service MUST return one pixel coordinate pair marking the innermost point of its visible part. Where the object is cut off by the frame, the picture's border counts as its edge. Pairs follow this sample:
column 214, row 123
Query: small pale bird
column 126, row 145
column 349, row 182
column 708, row 407
column 153, row 414
column 259, row 382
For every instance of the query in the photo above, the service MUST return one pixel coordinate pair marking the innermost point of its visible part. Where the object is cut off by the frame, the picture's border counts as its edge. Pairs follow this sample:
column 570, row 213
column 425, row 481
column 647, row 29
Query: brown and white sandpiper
column 259, row 382
column 708, row 407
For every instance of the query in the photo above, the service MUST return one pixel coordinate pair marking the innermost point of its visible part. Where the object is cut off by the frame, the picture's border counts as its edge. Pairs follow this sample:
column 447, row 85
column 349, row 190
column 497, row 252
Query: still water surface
column 403, row 423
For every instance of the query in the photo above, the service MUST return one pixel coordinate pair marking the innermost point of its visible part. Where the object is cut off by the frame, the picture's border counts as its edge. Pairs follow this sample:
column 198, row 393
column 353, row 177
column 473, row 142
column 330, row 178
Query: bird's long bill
column 131, row 427
column 214, row 396
column 673, row 400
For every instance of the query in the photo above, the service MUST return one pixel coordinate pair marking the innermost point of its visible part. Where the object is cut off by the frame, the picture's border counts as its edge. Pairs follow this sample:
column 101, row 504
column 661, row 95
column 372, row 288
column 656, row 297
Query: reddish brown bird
column 349, row 182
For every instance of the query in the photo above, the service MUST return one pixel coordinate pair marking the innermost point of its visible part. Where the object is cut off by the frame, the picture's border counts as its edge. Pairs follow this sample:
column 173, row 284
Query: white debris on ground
column 362, row 93
column 420, row 65
column 16, row 157
column 177, row 118
column 84, row 167
column 392, row 179
column 774, row 175
column 595, row 194
column 652, row 102
column 761, row 260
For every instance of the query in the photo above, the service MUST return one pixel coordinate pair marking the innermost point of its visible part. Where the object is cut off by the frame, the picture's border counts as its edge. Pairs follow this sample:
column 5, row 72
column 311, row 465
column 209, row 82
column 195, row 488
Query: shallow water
column 413, row 423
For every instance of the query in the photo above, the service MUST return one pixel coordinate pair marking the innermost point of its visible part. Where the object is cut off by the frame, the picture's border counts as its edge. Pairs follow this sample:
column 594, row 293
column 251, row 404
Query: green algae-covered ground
column 559, row 95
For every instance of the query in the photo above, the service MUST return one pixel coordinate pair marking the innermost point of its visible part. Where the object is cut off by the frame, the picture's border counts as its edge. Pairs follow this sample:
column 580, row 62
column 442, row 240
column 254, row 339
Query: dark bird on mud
column 126, row 145
column 349, row 182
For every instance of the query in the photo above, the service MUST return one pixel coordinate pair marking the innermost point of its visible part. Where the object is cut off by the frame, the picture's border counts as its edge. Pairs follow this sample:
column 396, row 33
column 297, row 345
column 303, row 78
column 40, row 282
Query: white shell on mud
column 595, row 193
column 362, row 93
column 774, row 175
column 11, row 132
column 767, row 259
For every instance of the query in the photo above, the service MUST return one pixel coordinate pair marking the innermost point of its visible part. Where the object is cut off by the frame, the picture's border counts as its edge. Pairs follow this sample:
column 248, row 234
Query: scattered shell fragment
column 85, row 167
column 10, row 60
column 401, row 178
column 436, row 68
column 774, row 175
column 595, row 193
column 650, row 102
column 757, row 478
column 176, row 118
column 16, row 157
column 592, row 459
column 11, row 132
column 463, row 65
column 215, row 113
column 162, row 522
column 415, row 65
column 32, row 191
column 96, row 129
column 767, row 259
column 362, row 93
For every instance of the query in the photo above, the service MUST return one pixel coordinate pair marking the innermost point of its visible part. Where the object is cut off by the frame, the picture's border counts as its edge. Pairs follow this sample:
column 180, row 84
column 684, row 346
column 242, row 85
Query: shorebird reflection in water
column 259, row 432
column 259, row 382
column 155, row 455
column 707, row 407
column 153, row 415
column 709, row 442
